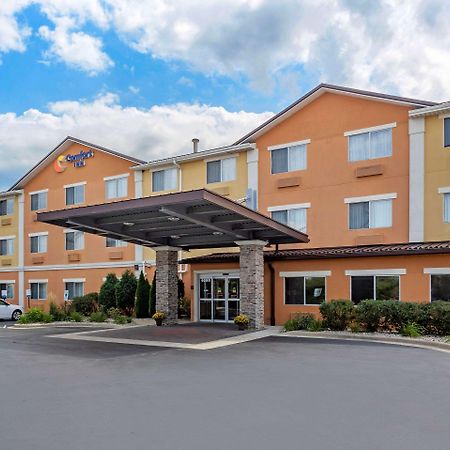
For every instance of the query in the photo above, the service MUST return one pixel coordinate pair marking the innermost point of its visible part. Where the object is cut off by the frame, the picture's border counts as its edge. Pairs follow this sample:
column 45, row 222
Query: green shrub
column 113, row 313
column 314, row 325
column 76, row 317
column 337, row 314
column 121, row 320
column 411, row 330
column 184, row 308
column 35, row 315
column 107, row 294
column 126, row 292
column 299, row 322
column 142, row 307
column 58, row 313
column 153, row 295
column 180, row 288
column 435, row 317
column 369, row 314
column 98, row 316
column 86, row 304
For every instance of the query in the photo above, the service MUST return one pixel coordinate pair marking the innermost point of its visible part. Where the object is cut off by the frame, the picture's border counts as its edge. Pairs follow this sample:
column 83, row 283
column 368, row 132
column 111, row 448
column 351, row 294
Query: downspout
column 272, row 294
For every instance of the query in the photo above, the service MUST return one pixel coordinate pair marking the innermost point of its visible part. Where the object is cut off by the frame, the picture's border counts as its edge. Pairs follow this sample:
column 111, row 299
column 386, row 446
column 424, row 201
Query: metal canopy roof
column 189, row 220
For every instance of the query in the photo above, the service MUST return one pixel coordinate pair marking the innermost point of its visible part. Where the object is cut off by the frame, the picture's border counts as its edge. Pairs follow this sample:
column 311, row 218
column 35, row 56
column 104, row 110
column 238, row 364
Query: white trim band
column 40, row 280
column 314, row 273
column 379, row 272
column 5, row 238
column 116, row 177
column 437, row 270
column 42, row 233
column 81, row 183
column 367, row 130
column 42, row 191
column 369, row 198
column 74, row 280
column 7, row 281
column 286, row 207
column 444, row 190
column 289, row 144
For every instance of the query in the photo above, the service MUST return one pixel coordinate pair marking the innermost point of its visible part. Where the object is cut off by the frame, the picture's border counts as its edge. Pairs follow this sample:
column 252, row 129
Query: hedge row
column 387, row 315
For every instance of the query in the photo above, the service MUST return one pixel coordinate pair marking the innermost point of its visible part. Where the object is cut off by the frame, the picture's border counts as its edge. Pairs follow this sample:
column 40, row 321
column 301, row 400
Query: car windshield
column 4, row 302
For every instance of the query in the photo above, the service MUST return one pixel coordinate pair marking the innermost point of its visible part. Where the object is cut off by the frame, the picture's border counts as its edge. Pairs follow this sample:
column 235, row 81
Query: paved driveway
column 267, row 394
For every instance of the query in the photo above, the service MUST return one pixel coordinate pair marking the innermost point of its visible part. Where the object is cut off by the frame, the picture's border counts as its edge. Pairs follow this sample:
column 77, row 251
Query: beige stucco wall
column 9, row 226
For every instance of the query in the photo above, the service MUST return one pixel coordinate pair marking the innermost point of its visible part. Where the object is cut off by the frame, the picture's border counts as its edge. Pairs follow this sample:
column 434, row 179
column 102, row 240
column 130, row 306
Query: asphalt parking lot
column 265, row 394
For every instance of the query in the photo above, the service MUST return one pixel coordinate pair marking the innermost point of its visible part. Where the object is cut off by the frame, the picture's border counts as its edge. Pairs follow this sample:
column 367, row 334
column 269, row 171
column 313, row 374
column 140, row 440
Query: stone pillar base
column 167, row 283
column 251, row 261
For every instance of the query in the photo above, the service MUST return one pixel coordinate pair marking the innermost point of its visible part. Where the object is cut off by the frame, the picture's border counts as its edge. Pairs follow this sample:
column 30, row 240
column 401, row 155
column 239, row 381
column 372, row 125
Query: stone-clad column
column 251, row 262
column 167, row 282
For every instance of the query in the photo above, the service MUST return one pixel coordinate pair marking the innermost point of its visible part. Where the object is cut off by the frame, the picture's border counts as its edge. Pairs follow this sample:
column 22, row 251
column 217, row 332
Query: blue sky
column 145, row 76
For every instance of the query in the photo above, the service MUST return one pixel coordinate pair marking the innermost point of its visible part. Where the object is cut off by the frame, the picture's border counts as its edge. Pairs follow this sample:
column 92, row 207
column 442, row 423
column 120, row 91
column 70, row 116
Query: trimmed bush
column 86, row 304
column 35, row 315
column 299, row 322
column 337, row 314
column 184, row 308
column 98, row 316
column 369, row 314
column 126, row 292
column 435, row 317
column 180, row 288
column 142, row 308
column 121, row 320
column 153, row 295
column 107, row 294
column 76, row 317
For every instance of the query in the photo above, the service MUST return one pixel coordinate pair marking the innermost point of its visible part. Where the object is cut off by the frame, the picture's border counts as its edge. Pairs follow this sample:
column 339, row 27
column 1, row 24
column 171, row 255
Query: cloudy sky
column 145, row 76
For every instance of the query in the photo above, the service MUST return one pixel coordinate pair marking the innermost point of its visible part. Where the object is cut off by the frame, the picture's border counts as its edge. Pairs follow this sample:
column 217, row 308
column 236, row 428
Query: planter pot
column 242, row 326
column 158, row 322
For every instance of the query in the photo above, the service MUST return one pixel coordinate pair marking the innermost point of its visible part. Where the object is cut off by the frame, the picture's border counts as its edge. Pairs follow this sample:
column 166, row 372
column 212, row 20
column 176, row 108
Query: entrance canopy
column 188, row 220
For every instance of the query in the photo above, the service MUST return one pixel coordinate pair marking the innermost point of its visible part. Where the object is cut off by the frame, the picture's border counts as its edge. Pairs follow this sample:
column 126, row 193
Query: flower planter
column 158, row 322
column 242, row 326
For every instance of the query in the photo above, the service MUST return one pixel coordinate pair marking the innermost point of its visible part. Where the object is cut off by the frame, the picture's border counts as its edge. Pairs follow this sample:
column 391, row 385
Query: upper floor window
column 447, row 207
column 221, row 170
column 289, row 158
column 370, row 144
column 74, row 194
column 6, row 207
column 164, row 180
column 74, row 289
column 111, row 242
column 375, row 287
column 74, row 240
column 38, row 200
column 116, row 187
column 447, row 132
column 38, row 243
column 370, row 212
column 294, row 217
column 38, row 290
column 7, row 246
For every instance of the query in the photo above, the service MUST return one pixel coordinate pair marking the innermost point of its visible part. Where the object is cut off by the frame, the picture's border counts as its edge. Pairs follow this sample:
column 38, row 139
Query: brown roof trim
column 343, row 89
column 401, row 249
column 76, row 141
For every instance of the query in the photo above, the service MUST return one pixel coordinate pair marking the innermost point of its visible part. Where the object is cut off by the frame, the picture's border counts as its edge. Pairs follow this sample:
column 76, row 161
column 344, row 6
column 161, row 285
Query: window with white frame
column 7, row 288
column 164, row 180
column 304, row 290
column 74, row 240
column 111, row 242
column 370, row 214
column 221, row 170
column 6, row 207
column 74, row 288
column 38, row 243
column 75, row 194
column 447, row 132
column 116, row 187
column 446, row 197
column 7, row 246
column 370, row 144
column 38, row 200
column 293, row 217
column 375, row 287
column 38, row 290
column 440, row 287
column 288, row 159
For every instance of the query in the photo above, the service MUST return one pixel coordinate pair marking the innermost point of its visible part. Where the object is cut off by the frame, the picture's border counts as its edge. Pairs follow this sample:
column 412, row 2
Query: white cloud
column 12, row 35
column 156, row 132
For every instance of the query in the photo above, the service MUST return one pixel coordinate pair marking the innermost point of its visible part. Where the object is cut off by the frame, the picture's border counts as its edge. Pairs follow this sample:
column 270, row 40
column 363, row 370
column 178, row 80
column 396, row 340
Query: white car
column 9, row 311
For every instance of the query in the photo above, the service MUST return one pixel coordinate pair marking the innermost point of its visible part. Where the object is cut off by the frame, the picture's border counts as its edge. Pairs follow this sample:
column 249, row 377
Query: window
column 371, row 214
column 110, row 242
column 74, row 240
column 295, row 218
column 38, row 244
column 447, row 132
column 304, row 290
column 75, row 195
column 164, row 180
column 447, row 207
column 288, row 159
column 375, row 287
column 9, row 288
column 370, row 145
column 38, row 201
column 221, row 170
column 116, row 187
column 38, row 290
column 6, row 246
column 440, row 287
column 75, row 288
column 6, row 207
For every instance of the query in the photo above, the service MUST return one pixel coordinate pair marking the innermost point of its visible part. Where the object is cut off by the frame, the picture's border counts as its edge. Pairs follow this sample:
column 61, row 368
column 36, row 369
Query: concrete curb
column 75, row 325
column 402, row 341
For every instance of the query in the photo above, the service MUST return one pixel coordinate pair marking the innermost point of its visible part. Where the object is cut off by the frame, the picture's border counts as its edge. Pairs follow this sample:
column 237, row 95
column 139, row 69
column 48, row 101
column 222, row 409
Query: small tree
column 153, row 295
column 142, row 297
column 126, row 292
column 107, row 294
column 180, row 288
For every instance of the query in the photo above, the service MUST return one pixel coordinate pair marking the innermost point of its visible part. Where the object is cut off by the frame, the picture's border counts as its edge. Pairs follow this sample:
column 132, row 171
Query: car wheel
column 16, row 314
